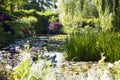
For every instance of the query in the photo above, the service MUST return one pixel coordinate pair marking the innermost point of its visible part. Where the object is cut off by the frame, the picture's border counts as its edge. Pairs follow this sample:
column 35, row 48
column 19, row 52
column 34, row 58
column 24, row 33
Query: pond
column 45, row 45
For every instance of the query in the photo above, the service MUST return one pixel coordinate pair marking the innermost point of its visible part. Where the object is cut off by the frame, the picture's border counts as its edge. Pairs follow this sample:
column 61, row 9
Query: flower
column 55, row 27
column 8, row 67
column 110, row 65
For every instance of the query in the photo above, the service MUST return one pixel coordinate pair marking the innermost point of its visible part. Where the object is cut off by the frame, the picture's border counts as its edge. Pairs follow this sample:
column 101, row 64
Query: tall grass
column 89, row 46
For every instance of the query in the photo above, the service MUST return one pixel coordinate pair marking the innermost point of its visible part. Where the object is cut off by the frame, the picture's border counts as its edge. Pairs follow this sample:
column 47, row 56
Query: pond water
column 48, row 48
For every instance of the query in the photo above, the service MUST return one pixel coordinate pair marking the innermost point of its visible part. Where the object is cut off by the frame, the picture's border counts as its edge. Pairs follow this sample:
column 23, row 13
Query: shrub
column 92, row 23
column 89, row 45
column 55, row 27
column 6, row 35
column 24, row 23
column 43, row 19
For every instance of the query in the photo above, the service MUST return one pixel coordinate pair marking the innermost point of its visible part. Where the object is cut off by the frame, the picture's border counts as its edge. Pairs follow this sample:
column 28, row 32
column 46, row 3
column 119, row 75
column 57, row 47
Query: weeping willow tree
column 73, row 13
column 70, row 10
column 109, row 13
column 67, row 12
column 116, row 9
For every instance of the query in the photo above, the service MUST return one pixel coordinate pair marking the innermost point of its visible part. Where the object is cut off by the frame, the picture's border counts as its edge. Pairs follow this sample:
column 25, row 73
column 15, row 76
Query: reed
column 89, row 45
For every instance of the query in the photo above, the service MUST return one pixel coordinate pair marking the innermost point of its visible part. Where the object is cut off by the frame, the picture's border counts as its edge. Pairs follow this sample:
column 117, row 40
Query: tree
column 73, row 13
column 40, row 5
column 109, row 11
column 117, row 14
column 11, row 4
column 54, row 3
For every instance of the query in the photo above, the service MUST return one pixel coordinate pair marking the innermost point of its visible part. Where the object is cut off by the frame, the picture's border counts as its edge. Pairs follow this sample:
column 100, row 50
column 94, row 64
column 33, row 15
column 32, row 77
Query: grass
column 89, row 45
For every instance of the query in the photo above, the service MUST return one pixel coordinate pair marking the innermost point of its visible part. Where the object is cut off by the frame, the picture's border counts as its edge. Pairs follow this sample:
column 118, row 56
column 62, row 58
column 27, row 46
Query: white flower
column 8, row 67
column 105, row 75
column 110, row 65
column 117, row 62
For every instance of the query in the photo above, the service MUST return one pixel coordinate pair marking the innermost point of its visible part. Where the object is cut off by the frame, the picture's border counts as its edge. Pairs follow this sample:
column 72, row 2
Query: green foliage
column 38, row 5
column 11, row 5
column 53, row 19
column 22, row 71
column 106, row 22
column 43, row 19
column 5, row 37
column 24, row 22
column 24, row 13
column 108, row 13
column 73, row 13
column 32, row 5
column 77, row 25
column 89, row 10
column 116, row 70
column 89, row 45
column 34, row 21
column 29, row 70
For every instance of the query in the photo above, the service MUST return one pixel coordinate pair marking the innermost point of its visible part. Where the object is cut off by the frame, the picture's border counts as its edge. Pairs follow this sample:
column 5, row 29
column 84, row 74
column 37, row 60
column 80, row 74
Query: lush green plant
column 29, row 70
column 43, row 19
column 34, row 21
column 22, row 71
column 115, row 70
column 38, row 5
column 5, row 37
column 24, row 23
column 12, row 5
column 92, row 23
column 74, row 13
column 90, row 44
column 108, row 13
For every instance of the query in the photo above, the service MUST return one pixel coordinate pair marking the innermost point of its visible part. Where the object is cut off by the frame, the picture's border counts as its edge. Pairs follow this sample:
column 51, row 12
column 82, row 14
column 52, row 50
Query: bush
column 92, row 23
column 43, row 19
column 24, row 23
column 89, row 45
column 6, row 35
column 55, row 27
